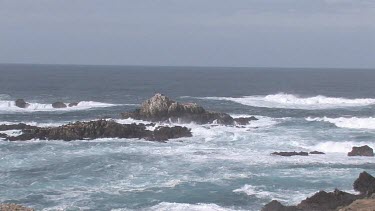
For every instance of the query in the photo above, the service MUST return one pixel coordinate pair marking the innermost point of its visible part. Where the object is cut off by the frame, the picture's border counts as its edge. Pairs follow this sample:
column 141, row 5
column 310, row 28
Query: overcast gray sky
column 283, row 33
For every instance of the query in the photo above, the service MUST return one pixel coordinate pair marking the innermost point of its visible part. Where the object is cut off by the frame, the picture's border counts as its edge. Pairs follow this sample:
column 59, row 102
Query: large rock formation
column 21, row 103
column 362, row 151
column 160, row 108
column 365, row 184
column 361, row 205
column 59, row 105
column 101, row 129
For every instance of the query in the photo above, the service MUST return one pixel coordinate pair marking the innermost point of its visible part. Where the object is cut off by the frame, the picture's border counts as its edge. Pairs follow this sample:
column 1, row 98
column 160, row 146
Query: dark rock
column 244, row 120
column 21, row 103
column 19, row 126
column 362, row 151
column 317, row 153
column 59, row 105
column 73, row 104
column 365, row 184
column 2, row 135
column 288, row 154
column 277, row 206
column 323, row 201
column 160, row 108
column 101, row 129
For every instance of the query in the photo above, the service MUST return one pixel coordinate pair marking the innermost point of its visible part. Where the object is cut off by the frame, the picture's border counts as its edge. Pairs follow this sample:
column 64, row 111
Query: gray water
column 219, row 168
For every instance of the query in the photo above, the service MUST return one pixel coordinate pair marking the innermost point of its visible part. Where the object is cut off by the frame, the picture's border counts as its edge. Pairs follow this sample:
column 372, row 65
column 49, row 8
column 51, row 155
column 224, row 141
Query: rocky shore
column 14, row 207
column 336, row 200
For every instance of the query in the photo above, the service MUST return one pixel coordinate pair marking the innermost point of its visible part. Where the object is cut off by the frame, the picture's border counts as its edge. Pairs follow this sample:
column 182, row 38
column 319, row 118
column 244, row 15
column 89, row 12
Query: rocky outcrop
column 365, row 184
column 362, row 151
column 244, row 120
column 59, row 105
column 336, row 200
column 21, row 103
column 316, row 153
column 72, row 104
column 101, row 129
column 288, row 154
column 160, row 108
column 19, row 126
column 14, row 207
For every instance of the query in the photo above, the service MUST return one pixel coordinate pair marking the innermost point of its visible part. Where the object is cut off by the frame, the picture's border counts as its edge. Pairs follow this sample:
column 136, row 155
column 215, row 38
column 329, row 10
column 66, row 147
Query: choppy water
column 219, row 168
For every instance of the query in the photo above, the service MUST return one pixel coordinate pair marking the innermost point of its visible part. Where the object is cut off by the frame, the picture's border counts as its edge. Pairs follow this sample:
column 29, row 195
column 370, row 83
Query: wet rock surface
column 244, row 120
column 365, row 184
column 362, row 151
column 14, row 207
column 160, row 108
column 73, row 104
column 19, row 126
column 21, row 103
column 101, row 129
column 59, row 105
column 288, row 154
column 316, row 153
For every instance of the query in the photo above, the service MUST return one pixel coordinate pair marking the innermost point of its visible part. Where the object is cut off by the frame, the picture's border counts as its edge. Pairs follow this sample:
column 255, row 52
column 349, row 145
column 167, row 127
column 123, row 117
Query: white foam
column 9, row 106
column 165, row 206
column 342, row 147
column 348, row 122
column 283, row 100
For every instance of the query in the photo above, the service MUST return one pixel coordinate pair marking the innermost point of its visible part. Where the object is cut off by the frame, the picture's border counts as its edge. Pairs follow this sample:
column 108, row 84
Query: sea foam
column 283, row 100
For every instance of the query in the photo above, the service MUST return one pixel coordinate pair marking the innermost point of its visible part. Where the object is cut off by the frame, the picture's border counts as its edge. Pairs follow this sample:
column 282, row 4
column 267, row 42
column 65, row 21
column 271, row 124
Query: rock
column 244, row 120
column 59, row 105
column 277, row 206
column 317, row 153
column 362, row 151
column 14, row 207
column 160, row 108
column 365, row 184
column 73, row 104
column 101, row 129
column 21, row 103
column 288, row 154
column 361, row 205
column 323, row 201
column 2, row 135
column 19, row 126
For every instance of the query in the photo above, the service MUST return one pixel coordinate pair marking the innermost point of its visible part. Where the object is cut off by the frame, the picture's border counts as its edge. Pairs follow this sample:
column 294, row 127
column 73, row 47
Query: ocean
column 219, row 168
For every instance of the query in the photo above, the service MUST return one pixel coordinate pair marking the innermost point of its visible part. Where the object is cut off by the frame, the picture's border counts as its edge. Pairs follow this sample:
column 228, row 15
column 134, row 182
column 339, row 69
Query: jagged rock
column 361, row 205
column 101, row 129
column 14, row 207
column 323, row 201
column 365, row 184
column 317, row 153
column 362, row 151
column 2, row 135
column 21, row 103
column 160, row 108
column 288, row 154
column 19, row 126
column 244, row 120
column 277, row 206
column 73, row 104
column 59, row 105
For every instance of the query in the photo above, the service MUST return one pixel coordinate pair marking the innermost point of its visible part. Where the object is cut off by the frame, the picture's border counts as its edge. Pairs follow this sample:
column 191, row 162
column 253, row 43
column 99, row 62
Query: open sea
column 220, row 168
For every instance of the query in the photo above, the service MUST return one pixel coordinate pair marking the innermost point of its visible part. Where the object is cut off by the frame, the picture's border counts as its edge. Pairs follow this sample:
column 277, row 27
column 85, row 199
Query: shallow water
column 219, row 168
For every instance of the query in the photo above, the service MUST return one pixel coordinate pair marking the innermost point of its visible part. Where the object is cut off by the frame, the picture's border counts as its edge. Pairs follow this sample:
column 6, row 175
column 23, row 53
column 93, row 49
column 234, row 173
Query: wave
column 348, row 122
column 183, row 206
column 9, row 106
column 283, row 100
column 342, row 147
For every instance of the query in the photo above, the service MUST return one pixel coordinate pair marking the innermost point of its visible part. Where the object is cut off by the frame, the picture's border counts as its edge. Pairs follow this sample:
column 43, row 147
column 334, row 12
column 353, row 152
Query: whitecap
column 348, row 122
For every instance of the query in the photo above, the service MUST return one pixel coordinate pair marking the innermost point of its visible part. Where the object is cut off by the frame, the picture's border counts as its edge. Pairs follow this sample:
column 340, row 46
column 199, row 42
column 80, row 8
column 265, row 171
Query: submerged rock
column 365, row 184
column 160, row 108
column 14, row 207
column 317, row 153
column 21, row 103
column 101, row 129
column 59, row 105
column 362, row 151
column 73, row 104
column 288, row 154
column 244, row 120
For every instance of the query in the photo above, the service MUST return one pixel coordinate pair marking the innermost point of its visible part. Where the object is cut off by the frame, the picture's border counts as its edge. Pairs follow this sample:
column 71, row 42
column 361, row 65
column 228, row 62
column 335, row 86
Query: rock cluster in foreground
column 160, row 108
column 97, row 129
column 336, row 200
column 14, row 207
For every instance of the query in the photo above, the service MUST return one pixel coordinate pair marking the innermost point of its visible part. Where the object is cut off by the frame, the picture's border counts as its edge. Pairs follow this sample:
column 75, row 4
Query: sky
column 245, row 33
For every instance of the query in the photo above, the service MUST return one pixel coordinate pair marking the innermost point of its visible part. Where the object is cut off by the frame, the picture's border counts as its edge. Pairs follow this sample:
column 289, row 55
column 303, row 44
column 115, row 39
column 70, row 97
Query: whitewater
column 220, row 168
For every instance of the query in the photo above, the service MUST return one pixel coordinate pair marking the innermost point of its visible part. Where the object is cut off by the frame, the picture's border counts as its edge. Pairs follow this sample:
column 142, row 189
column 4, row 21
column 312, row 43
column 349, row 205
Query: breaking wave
column 283, row 100
column 348, row 122
column 9, row 106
